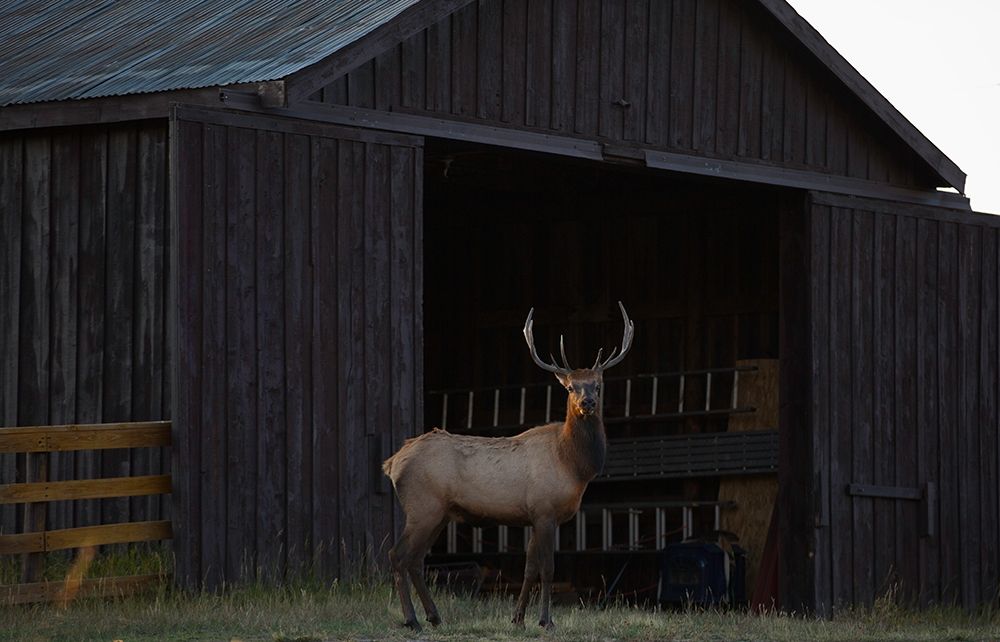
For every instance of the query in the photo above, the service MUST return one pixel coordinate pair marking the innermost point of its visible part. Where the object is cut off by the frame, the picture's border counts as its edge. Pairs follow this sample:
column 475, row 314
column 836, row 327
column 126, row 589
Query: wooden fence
column 36, row 443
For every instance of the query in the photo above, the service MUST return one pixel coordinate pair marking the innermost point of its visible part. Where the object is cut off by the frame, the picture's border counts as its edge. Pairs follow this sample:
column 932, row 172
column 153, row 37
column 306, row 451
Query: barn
column 307, row 231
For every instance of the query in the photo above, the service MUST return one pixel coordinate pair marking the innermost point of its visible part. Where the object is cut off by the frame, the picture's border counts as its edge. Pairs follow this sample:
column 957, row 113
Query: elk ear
column 563, row 379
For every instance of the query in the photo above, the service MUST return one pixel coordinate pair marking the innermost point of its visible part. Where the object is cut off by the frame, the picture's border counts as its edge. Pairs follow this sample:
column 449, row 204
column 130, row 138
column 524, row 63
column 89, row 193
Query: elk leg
column 398, row 557
column 530, row 577
column 417, row 576
column 545, row 534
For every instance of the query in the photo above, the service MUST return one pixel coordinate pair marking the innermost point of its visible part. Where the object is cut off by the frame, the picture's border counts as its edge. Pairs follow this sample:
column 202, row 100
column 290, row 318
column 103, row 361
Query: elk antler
column 551, row 367
column 626, row 344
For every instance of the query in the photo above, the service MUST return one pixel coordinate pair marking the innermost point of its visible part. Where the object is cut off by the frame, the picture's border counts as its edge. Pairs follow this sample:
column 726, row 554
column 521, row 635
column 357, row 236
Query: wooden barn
column 306, row 231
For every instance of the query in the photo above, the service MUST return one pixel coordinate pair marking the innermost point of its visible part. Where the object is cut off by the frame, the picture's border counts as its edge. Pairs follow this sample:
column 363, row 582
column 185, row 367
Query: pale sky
column 938, row 63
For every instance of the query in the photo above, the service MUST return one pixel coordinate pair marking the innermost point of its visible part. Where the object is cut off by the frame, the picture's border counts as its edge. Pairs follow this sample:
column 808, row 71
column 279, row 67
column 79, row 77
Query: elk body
column 536, row 479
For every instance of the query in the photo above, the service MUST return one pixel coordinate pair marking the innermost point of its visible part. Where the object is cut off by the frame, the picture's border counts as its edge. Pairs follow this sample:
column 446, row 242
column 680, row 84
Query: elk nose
column 588, row 405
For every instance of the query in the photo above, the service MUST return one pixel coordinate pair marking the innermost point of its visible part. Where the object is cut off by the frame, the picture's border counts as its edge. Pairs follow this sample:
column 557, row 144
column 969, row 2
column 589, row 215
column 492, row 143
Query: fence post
column 36, row 470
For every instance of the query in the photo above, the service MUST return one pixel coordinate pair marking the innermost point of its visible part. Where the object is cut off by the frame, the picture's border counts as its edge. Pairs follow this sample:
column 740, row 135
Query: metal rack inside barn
column 291, row 230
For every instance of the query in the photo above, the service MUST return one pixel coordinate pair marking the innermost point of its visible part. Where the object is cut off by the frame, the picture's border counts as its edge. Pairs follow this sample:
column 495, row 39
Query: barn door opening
column 296, row 253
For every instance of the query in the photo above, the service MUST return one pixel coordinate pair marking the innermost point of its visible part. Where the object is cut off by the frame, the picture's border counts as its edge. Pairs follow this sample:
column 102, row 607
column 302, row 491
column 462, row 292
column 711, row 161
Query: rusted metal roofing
column 70, row 49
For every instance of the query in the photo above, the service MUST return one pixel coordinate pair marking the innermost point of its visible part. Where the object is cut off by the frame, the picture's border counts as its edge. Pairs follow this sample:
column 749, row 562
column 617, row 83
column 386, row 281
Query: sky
column 938, row 63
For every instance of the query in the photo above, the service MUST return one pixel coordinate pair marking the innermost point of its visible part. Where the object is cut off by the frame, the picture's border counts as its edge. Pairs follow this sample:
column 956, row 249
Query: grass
column 311, row 612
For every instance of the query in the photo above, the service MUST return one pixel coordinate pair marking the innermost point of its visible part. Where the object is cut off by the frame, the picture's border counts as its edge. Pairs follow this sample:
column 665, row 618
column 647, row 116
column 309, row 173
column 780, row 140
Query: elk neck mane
column 582, row 445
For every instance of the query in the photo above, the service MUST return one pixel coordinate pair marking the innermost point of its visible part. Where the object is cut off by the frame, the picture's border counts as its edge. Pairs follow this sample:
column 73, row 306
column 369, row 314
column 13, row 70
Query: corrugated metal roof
column 68, row 49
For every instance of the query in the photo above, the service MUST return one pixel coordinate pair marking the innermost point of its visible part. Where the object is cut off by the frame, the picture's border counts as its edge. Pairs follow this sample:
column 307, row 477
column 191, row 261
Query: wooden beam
column 84, row 489
column 33, row 439
column 300, row 85
column 85, row 536
column 847, row 74
column 803, row 179
column 902, row 208
column 112, row 109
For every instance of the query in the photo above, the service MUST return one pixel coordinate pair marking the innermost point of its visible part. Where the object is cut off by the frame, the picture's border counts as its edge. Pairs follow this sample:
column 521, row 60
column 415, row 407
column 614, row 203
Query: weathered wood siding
column 718, row 78
column 298, row 320
column 903, row 392
column 83, row 263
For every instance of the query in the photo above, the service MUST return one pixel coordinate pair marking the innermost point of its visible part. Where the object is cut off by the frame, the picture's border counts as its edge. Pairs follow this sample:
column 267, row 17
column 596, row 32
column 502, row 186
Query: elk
column 535, row 478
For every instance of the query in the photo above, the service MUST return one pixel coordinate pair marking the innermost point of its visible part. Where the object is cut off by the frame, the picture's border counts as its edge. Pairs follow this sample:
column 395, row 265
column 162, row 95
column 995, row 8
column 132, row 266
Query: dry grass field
column 369, row 611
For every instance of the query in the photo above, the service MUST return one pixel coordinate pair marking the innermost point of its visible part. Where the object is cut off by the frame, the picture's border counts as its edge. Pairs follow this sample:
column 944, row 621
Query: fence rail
column 37, row 442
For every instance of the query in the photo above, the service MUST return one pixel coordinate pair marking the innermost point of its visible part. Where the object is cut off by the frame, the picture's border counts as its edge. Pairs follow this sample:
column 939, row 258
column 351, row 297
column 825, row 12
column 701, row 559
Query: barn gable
column 716, row 78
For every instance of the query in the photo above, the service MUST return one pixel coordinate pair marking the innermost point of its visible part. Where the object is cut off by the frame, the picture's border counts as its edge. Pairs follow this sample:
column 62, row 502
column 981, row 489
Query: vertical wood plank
column 794, row 109
column 11, row 167
column 361, row 85
column 388, row 79
column 907, row 395
column 883, row 428
column 612, row 70
column 927, row 406
column 34, row 356
column 464, row 64
column 820, row 331
column 515, row 15
column 241, row 343
column 588, row 77
column 186, row 249
column 414, row 71
column 751, row 62
column 120, row 286
column 817, row 99
column 728, row 97
column 706, row 74
column 863, row 409
column 636, row 68
column 949, row 371
column 970, row 257
column 377, row 340
column 538, row 64
column 841, row 409
column 355, row 478
column 326, row 379
column 564, row 56
column 403, row 174
column 149, row 345
column 682, row 49
column 439, row 66
column 490, row 60
column 65, row 259
column 298, row 351
column 90, row 335
column 989, row 360
column 214, row 455
column 658, row 94
column 772, row 101
column 270, row 393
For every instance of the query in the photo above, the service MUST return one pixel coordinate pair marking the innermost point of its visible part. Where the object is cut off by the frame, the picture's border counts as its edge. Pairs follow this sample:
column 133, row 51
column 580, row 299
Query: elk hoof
column 412, row 624
column 434, row 619
column 548, row 626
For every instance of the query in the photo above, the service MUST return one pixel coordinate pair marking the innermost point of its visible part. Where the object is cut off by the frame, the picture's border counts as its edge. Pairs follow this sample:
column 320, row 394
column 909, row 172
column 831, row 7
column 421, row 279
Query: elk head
column 582, row 384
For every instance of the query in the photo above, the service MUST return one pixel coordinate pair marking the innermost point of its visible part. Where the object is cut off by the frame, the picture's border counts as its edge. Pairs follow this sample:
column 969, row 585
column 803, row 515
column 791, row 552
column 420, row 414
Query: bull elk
column 536, row 479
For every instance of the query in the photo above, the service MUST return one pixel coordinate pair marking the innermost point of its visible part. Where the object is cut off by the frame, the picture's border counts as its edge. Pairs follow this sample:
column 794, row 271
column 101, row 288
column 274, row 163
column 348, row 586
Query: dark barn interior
column 506, row 231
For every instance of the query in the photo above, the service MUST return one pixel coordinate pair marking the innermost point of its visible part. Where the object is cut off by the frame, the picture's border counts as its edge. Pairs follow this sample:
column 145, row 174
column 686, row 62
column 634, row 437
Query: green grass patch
column 311, row 611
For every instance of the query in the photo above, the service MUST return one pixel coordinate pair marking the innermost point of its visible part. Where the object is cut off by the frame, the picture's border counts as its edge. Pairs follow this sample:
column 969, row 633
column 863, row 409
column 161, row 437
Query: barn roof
column 67, row 49
column 54, row 50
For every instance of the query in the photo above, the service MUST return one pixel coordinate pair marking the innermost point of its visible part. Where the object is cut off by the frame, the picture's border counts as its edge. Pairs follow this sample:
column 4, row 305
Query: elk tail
column 387, row 467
